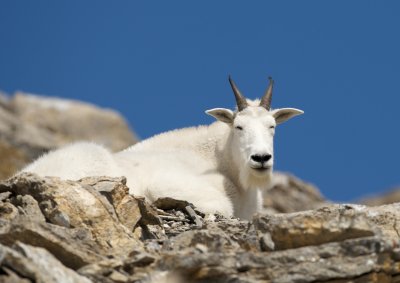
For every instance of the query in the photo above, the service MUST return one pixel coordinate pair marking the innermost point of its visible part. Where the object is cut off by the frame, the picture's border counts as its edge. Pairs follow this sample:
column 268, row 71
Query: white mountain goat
column 220, row 168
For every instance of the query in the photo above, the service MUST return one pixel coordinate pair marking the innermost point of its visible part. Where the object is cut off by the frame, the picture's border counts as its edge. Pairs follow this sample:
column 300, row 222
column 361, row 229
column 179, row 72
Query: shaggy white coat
column 209, row 166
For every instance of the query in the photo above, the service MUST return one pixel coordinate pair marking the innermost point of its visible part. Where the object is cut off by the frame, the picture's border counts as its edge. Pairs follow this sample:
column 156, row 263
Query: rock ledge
column 92, row 230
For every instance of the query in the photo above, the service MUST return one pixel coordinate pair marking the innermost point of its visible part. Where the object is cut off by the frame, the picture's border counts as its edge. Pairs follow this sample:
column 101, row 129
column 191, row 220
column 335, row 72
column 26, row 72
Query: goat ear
column 222, row 114
column 284, row 114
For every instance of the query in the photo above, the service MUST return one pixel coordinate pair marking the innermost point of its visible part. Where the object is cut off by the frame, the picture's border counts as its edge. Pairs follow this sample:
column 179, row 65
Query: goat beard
column 249, row 180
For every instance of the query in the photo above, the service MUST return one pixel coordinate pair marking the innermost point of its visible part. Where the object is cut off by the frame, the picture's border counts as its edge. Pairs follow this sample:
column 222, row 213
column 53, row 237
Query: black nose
column 261, row 158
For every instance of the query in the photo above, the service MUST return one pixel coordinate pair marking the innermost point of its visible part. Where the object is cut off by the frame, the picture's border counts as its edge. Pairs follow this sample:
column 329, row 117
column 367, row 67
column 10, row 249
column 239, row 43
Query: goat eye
column 239, row 128
column 272, row 127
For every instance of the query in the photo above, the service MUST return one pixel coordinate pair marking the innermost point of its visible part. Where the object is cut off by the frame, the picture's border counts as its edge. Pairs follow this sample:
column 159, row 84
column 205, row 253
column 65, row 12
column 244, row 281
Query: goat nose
column 261, row 158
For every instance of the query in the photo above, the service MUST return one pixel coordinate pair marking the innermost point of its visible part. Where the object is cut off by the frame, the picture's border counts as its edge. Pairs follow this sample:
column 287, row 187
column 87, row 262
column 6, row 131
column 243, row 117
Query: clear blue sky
column 162, row 63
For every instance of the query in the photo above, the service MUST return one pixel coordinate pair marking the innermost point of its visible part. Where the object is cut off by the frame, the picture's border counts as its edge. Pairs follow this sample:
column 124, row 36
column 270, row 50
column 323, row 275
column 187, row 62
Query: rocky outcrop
column 31, row 125
column 92, row 230
column 389, row 197
column 290, row 194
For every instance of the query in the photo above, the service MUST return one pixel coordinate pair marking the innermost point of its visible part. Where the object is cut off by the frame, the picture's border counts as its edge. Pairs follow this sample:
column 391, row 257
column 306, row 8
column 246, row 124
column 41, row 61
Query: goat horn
column 266, row 99
column 240, row 100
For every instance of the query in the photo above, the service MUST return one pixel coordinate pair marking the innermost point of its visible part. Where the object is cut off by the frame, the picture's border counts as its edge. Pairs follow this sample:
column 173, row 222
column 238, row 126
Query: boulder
column 31, row 125
column 60, row 117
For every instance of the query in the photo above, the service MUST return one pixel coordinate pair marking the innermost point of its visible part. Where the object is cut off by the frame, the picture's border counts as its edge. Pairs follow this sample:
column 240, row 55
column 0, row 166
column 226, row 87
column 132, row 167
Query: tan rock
column 314, row 227
column 76, row 205
column 12, row 159
column 127, row 207
column 389, row 197
column 32, row 125
column 128, row 212
column 61, row 117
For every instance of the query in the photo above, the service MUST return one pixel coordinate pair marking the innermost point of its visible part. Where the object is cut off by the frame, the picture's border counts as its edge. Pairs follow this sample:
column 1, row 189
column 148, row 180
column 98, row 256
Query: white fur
column 209, row 166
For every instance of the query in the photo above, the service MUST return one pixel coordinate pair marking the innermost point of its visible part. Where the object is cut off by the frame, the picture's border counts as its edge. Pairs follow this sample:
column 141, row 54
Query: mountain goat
column 220, row 168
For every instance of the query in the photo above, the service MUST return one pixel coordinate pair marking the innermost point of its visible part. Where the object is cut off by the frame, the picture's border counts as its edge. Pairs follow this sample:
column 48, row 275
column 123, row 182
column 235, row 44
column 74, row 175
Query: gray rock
column 28, row 207
column 170, row 203
column 290, row 194
column 314, row 227
column 346, row 259
column 37, row 264
column 73, row 247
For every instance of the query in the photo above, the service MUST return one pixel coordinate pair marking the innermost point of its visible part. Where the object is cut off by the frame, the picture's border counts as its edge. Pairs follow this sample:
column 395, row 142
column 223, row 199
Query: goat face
column 252, row 133
column 252, row 139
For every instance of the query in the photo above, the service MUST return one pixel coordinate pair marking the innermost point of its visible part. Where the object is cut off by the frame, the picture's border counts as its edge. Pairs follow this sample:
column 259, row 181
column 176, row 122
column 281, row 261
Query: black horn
column 240, row 100
column 266, row 99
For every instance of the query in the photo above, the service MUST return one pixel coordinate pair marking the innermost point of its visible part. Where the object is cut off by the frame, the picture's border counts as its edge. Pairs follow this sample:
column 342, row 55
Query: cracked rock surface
column 92, row 230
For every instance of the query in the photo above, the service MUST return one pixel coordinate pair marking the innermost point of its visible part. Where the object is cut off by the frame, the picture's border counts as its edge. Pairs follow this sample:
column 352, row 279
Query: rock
column 13, row 157
column 83, row 231
column 37, row 264
column 72, row 205
column 99, row 271
column 137, row 260
column 340, row 242
column 31, row 125
column 128, row 211
column 60, row 117
column 149, row 214
column 215, row 240
column 315, row 227
column 386, row 218
column 29, row 207
column 339, row 260
column 8, row 211
column 389, row 197
column 266, row 242
column 170, row 203
column 127, row 207
column 290, row 194
column 73, row 247
column 193, row 215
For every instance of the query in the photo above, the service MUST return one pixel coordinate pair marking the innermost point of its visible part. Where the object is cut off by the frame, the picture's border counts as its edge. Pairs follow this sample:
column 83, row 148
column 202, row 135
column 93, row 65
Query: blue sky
column 162, row 63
